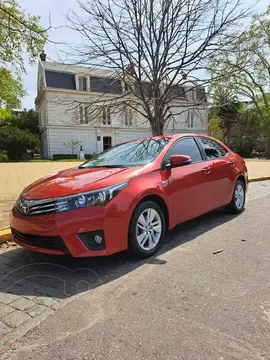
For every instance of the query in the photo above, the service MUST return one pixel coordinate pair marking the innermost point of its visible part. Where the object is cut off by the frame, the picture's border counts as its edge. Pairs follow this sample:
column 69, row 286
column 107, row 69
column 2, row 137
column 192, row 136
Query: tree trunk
column 157, row 127
column 267, row 146
column 157, row 124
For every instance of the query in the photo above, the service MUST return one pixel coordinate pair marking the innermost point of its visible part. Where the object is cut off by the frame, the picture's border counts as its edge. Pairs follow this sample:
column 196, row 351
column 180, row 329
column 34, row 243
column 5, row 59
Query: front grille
column 44, row 242
column 35, row 207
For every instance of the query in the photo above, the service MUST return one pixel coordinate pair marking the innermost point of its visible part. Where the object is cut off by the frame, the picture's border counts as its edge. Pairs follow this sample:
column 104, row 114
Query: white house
column 63, row 92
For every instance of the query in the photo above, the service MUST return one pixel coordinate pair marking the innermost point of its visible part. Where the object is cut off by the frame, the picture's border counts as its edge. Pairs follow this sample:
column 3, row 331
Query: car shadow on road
column 32, row 274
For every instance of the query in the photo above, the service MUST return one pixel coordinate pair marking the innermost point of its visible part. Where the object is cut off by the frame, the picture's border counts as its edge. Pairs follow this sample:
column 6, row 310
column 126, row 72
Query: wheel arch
column 242, row 179
column 161, row 203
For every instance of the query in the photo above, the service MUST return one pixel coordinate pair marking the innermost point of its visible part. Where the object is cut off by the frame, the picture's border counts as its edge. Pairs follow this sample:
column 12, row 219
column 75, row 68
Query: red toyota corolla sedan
column 129, row 196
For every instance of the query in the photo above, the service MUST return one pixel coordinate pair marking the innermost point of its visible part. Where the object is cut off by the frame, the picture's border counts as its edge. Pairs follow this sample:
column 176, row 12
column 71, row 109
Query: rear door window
column 212, row 148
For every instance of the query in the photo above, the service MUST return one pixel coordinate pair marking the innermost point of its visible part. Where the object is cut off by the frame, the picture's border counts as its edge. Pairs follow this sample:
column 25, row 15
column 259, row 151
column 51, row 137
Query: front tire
column 146, row 230
column 237, row 204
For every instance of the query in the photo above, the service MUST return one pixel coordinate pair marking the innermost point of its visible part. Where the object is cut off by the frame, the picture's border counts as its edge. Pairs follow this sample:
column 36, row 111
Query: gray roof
column 60, row 80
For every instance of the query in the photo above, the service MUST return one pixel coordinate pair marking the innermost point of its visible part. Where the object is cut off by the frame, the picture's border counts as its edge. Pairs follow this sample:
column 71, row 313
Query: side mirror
column 179, row 160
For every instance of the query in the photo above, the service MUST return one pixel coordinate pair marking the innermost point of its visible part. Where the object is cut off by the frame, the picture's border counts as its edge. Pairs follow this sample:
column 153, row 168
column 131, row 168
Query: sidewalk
column 258, row 168
column 16, row 176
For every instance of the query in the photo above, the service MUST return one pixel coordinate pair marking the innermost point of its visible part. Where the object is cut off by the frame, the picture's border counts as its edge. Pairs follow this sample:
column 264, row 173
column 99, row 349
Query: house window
column 200, row 94
column 178, row 91
column 129, row 117
column 82, row 83
column 105, row 85
column 106, row 115
column 190, row 120
column 84, row 114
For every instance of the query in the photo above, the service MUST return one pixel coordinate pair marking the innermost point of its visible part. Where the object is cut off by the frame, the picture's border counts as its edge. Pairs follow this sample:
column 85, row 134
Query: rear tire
column 237, row 203
column 146, row 229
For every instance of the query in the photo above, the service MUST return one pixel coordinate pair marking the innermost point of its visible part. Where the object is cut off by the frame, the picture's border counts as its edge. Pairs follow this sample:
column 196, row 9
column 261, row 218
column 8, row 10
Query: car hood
column 75, row 180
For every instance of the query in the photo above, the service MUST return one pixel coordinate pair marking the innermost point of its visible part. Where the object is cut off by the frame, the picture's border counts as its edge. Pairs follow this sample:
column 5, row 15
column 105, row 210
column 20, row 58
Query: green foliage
column 28, row 120
column 3, row 157
column 16, row 142
column 216, row 130
column 73, row 144
column 64, row 156
column 11, row 88
column 243, row 69
column 245, row 135
column 4, row 114
column 225, row 110
column 89, row 156
column 20, row 33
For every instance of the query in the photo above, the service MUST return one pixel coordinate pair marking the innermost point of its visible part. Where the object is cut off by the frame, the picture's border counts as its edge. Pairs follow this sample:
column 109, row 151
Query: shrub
column 16, row 142
column 89, row 156
column 64, row 156
column 3, row 157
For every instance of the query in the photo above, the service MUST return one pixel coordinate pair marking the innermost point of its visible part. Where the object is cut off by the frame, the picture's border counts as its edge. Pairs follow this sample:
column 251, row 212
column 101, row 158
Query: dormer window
column 82, row 83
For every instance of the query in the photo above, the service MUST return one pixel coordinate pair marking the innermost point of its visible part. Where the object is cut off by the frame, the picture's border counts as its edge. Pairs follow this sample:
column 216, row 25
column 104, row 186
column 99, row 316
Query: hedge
column 64, row 156
column 89, row 156
column 3, row 157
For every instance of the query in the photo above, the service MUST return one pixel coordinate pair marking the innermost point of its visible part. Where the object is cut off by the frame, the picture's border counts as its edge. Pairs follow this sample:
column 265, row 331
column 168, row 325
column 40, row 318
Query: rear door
column 221, row 168
column 189, row 186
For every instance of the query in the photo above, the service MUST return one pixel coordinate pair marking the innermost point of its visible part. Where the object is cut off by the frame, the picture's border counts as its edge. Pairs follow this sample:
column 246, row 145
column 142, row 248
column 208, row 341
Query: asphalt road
column 186, row 303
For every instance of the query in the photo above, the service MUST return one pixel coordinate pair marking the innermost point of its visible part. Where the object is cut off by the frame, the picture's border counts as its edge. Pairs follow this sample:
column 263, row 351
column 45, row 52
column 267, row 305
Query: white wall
column 89, row 137
column 63, row 111
column 59, row 120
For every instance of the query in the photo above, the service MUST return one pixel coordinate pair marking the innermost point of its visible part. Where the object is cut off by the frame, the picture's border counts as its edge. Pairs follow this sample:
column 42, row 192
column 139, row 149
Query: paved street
column 185, row 303
column 16, row 176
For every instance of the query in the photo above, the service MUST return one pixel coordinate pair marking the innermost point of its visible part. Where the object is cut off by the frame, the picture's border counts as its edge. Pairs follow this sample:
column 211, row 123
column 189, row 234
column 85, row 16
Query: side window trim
column 199, row 144
column 163, row 164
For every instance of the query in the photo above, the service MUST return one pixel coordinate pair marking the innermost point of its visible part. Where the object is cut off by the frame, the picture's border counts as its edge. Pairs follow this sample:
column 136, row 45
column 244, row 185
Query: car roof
column 171, row 136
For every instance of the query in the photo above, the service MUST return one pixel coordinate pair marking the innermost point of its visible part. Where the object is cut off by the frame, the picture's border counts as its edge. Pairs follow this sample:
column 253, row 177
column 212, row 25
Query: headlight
column 99, row 197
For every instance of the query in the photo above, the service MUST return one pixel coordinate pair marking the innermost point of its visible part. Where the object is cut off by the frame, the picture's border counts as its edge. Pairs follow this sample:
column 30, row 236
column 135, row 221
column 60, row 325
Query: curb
column 262, row 178
column 5, row 234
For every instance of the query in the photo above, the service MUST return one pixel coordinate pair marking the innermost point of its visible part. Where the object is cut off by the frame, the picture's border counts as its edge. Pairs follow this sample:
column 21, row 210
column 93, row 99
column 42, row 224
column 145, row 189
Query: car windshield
column 134, row 153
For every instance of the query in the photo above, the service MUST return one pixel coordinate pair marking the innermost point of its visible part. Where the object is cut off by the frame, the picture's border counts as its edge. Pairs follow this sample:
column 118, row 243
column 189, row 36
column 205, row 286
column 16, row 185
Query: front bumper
column 110, row 220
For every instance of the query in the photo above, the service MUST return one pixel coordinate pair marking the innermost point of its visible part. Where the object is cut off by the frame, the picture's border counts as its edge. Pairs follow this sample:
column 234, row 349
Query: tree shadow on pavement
column 32, row 274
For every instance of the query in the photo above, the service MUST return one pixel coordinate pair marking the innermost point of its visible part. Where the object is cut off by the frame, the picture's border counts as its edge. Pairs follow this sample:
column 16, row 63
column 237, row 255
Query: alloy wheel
column 239, row 196
column 148, row 229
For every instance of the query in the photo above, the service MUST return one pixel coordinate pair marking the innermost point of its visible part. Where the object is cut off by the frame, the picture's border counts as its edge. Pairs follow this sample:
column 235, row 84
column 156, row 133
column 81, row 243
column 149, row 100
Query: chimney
column 42, row 56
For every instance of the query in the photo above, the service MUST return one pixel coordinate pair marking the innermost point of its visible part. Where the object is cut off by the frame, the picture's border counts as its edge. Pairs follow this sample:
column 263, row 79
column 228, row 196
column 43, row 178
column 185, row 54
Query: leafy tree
column 28, row 120
column 11, row 88
column 16, row 142
column 243, row 68
column 225, row 110
column 216, row 130
column 20, row 33
column 4, row 114
column 245, row 135
column 73, row 144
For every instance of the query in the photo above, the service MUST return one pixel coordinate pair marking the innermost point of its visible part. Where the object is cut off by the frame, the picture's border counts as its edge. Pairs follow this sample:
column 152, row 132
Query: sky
column 56, row 10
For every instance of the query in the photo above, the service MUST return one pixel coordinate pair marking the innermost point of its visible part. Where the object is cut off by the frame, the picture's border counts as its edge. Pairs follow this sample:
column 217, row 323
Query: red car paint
column 188, row 191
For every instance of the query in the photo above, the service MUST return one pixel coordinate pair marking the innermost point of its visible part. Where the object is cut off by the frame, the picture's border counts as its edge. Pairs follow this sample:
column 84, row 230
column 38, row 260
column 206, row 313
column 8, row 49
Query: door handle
column 232, row 163
column 206, row 170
